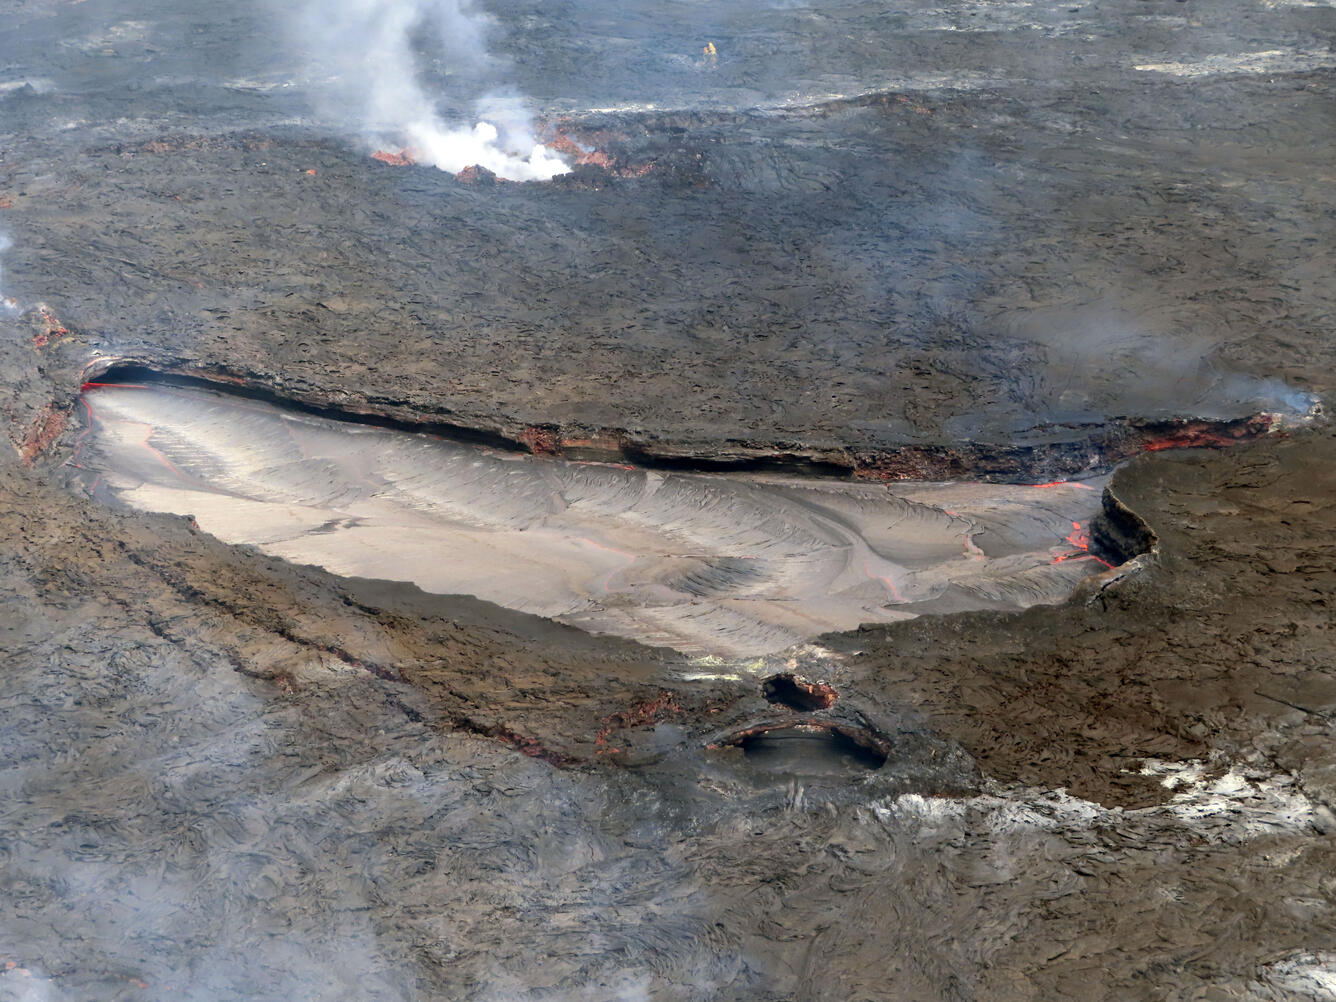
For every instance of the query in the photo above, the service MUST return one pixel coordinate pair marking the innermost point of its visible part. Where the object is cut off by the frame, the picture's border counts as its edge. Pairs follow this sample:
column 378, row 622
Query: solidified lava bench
column 722, row 564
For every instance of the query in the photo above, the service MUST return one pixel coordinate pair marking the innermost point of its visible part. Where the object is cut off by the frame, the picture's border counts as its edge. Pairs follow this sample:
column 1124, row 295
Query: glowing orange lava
column 148, row 433
column 404, row 158
column 54, row 329
column 885, row 580
column 648, row 712
column 1080, row 539
column 1065, row 483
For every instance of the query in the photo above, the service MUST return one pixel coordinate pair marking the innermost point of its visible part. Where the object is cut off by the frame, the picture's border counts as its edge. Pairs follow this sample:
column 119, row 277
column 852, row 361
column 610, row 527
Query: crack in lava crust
column 731, row 565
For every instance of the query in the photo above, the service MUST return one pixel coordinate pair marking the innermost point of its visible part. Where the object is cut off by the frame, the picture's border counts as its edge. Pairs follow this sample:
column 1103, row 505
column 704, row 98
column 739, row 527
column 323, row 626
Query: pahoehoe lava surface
column 928, row 242
column 1016, row 230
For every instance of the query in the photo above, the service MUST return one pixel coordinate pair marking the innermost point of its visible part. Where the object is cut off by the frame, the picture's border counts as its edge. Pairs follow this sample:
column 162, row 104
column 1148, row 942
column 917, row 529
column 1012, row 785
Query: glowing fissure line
column 1062, row 558
column 595, row 462
column 607, row 581
column 88, row 407
column 1064, row 483
column 153, row 449
column 1079, row 538
column 603, row 546
column 144, row 441
column 890, row 585
column 972, row 549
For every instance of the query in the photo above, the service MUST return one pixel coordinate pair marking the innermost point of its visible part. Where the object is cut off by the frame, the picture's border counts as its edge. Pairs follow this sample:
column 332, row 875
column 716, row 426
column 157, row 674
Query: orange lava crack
column 54, row 329
column 637, row 716
column 45, row 430
column 404, row 158
column 1080, row 539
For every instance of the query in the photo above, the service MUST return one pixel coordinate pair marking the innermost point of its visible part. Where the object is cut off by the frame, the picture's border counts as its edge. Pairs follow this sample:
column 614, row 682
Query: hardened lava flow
column 719, row 564
column 1055, row 454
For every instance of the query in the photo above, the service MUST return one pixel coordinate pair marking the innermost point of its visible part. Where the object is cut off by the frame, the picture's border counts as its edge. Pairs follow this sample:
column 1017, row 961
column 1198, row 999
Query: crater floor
column 724, row 565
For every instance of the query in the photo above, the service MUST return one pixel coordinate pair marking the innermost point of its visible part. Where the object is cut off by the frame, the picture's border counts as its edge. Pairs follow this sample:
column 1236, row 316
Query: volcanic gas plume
column 8, row 304
column 396, row 71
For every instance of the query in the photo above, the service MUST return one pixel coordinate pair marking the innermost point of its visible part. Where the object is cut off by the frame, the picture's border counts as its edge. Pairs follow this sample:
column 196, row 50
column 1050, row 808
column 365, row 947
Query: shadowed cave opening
column 797, row 693
column 810, row 750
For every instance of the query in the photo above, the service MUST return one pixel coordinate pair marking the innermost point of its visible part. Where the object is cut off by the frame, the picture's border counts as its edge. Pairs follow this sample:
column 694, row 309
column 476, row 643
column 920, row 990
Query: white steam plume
column 8, row 304
column 377, row 56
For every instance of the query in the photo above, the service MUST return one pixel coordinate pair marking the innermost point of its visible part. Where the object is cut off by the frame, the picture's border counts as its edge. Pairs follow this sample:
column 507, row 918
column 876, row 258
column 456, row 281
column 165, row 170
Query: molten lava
column 404, row 158
column 476, row 173
column 1080, row 539
column 593, row 152
column 640, row 715
column 44, row 430
column 52, row 328
column 1203, row 434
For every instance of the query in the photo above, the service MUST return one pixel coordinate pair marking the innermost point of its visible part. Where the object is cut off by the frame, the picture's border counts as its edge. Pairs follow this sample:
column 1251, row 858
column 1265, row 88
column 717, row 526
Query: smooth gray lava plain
column 721, row 565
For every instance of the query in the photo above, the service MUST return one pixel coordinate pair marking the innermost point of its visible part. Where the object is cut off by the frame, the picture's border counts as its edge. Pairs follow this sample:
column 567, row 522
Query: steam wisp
column 8, row 304
column 376, row 57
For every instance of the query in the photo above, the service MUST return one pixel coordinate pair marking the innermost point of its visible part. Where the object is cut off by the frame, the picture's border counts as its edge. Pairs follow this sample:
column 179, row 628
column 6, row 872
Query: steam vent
column 773, row 502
